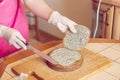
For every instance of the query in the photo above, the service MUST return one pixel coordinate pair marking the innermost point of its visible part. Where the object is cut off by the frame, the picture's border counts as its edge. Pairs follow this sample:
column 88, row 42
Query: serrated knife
column 41, row 54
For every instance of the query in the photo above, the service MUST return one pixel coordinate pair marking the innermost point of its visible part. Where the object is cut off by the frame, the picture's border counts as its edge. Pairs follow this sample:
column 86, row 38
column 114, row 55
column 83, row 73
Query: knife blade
column 43, row 55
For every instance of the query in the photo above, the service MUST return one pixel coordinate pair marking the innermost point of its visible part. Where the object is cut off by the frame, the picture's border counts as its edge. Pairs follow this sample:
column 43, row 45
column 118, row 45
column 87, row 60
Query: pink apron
column 12, row 15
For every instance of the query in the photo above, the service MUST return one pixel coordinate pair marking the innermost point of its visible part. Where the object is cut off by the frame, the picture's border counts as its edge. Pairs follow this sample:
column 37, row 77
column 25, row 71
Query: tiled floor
column 103, row 76
column 109, row 50
column 111, row 53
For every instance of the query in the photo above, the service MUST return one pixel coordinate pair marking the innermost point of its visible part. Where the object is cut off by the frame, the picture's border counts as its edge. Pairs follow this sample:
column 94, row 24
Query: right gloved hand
column 63, row 23
column 13, row 37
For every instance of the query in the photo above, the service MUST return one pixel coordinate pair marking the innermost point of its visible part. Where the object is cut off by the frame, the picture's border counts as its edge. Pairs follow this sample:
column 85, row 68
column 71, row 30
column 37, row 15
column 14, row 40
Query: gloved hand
column 62, row 22
column 13, row 37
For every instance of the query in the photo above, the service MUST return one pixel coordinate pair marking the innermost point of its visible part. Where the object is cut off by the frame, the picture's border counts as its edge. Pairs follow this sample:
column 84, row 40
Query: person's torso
column 12, row 15
column 7, row 11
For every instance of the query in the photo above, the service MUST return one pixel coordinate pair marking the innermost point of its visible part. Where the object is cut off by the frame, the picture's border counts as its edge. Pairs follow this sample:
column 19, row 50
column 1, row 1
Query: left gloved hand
column 62, row 22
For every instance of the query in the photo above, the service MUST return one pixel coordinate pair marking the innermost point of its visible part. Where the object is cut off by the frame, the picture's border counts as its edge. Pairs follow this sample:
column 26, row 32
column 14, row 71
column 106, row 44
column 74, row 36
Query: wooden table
column 24, row 54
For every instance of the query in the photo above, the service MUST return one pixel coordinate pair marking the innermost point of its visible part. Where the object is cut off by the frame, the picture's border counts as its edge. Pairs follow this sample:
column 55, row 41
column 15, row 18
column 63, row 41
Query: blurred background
column 79, row 11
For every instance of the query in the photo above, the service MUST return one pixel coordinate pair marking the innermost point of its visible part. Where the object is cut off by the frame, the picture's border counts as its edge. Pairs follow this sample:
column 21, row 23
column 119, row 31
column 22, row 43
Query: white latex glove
column 62, row 22
column 13, row 36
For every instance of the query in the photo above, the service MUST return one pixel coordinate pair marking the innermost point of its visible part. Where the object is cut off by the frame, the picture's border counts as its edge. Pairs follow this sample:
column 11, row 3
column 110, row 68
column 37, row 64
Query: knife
column 43, row 55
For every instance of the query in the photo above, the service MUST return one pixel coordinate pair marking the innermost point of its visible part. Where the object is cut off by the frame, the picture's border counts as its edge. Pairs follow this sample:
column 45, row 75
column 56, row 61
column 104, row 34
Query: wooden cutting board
column 92, row 63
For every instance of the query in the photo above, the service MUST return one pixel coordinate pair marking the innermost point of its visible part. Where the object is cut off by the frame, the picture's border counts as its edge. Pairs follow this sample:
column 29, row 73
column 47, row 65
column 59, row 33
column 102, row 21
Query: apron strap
column 15, row 15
